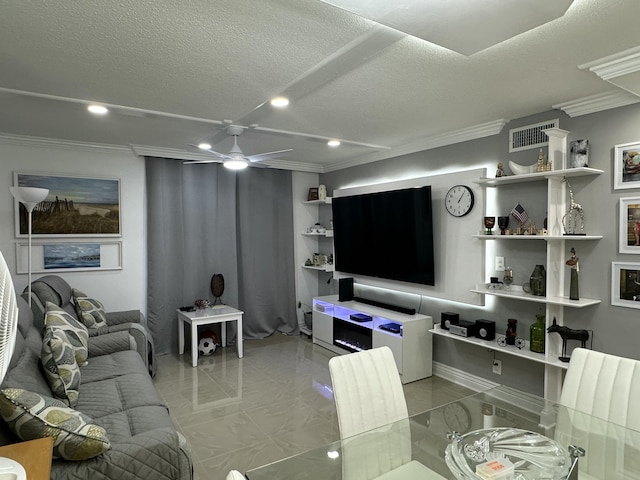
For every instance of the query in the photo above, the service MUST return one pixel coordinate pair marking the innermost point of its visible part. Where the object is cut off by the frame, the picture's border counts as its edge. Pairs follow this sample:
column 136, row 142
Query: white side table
column 208, row 316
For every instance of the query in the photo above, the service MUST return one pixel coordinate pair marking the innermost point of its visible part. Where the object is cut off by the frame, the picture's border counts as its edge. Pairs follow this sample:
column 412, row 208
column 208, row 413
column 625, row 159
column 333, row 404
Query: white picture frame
column 625, row 284
column 70, row 256
column 626, row 166
column 629, row 225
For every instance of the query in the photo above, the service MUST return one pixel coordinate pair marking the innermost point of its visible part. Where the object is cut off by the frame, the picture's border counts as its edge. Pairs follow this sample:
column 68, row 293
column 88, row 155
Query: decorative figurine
column 573, row 220
column 574, row 288
column 500, row 171
column 567, row 333
column 511, row 333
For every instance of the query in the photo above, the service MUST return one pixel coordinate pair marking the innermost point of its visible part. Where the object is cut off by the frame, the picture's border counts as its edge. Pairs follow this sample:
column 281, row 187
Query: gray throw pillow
column 77, row 333
column 89, row 310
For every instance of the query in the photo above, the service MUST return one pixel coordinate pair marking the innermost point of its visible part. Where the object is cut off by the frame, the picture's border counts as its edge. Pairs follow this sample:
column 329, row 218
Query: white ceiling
column 175, row 72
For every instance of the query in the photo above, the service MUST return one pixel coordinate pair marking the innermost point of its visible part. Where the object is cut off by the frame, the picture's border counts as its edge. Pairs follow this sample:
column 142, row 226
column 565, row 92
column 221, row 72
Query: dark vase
column 512, row 333
column 538, row 281
column 536, row 332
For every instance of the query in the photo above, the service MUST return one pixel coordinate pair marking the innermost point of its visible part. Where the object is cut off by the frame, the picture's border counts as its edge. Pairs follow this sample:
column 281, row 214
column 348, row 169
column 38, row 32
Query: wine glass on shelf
column 507, row 278
column 503, row 223
column 489, row 223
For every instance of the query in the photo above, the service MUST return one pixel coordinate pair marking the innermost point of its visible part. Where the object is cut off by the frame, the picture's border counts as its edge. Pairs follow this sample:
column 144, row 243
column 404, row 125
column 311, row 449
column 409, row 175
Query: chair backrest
column 367, row 390
column 603, row 385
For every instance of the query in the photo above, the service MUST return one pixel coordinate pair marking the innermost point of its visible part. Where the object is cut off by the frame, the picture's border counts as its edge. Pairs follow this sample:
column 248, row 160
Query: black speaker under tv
column 386, row 235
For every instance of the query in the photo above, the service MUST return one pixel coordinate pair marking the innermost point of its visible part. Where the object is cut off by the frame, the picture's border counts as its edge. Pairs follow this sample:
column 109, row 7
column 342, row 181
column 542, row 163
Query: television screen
column 386, row 235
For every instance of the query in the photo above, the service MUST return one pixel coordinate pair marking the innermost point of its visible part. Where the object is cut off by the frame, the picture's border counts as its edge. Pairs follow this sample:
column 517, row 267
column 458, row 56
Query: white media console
column 412, row 346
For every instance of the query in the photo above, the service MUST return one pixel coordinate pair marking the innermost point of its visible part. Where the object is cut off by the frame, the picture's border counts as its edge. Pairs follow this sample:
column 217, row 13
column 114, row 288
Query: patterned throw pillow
column 32, row 416
column 60, row 366
column 89, row 310
column 77, row 333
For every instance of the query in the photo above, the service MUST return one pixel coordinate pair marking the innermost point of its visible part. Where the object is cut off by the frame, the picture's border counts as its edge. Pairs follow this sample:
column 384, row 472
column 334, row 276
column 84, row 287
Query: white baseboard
column 461, row 377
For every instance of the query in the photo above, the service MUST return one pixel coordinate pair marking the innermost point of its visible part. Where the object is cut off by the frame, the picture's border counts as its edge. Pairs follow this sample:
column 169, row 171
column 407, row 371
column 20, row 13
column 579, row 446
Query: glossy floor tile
column 274, row 402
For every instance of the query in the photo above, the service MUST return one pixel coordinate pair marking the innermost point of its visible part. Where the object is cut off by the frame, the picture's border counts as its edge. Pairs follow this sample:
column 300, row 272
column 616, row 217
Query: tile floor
column 273, row 403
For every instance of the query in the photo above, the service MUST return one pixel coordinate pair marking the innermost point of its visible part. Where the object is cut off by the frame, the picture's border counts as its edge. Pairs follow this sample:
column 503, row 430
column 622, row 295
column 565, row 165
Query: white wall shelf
column 517, row 294
column 507, row 349
column 327, row 233
column 320, row 268
column 557, row 204
column 326, row 201
column 548, row 238
column 539, row 176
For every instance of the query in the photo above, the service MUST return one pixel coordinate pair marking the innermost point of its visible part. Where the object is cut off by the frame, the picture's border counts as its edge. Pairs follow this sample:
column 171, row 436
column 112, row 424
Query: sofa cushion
column 33, row 416
column 90, row 311
column 60, row 366
column 77, row 333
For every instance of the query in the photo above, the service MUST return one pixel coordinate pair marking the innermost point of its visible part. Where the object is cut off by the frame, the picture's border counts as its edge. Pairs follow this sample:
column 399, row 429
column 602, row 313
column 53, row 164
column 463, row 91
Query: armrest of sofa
column 110, row 343
column 126, row 316
column 152, row 454
column 143, row 340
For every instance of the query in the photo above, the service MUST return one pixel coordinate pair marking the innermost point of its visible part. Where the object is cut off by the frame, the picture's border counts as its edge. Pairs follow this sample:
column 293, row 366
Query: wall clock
column 459, row 200
column 457, row 417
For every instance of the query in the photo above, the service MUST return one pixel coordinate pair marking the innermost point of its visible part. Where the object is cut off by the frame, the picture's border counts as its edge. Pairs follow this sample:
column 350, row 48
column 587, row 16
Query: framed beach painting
column 626, row 166
column 76, row 206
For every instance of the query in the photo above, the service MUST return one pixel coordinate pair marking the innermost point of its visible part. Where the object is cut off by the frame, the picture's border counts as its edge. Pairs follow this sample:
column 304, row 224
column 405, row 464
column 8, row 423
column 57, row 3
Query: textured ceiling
column 174, row 72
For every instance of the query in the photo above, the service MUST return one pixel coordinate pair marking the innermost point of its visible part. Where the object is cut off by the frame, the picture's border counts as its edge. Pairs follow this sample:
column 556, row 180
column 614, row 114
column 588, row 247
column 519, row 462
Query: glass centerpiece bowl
column 534, row 456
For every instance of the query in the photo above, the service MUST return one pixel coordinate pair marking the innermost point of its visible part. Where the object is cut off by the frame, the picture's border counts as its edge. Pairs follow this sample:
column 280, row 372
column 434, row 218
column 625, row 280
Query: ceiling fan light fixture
column 333, row 143
column 236, row 164
column 98, row 109
column 204, row 146
column 279, row 102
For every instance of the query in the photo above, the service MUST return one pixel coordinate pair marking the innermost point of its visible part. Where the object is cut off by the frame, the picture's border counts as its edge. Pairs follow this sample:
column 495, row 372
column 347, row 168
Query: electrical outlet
column 499, row 264
column 497, row 367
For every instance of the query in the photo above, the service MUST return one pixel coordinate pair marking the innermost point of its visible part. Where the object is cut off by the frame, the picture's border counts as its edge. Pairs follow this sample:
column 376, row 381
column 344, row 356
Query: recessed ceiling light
column 204, row 146
column 98, row 109
column 280, row 102
column 333, row 143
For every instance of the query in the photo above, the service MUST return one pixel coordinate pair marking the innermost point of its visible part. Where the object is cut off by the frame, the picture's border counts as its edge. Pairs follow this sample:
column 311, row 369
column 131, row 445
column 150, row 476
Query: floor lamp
column 29, row 197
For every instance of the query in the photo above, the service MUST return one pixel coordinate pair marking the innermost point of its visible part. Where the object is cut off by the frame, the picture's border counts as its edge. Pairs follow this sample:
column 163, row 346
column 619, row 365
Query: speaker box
column 448, row 318
column 345, row 289
column 485, row 329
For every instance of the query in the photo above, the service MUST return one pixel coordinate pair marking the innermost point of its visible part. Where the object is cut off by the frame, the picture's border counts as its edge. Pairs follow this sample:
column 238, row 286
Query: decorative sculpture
column 574, row 289
column 567, row 333
column 573, row 220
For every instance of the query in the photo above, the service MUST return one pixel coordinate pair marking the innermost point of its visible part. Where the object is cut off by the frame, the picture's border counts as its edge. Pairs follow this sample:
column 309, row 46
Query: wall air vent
column 531, row 136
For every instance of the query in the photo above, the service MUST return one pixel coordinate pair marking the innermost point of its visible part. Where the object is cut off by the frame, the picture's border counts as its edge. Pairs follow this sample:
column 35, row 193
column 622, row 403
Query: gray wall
column 615, row 328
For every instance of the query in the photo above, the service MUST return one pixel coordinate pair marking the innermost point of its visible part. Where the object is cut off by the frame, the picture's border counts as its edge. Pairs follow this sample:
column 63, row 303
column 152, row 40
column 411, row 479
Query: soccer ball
column 206, row 346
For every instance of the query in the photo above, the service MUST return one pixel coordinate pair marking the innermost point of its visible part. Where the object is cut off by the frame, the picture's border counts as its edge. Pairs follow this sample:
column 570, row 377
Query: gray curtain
column 205, row 219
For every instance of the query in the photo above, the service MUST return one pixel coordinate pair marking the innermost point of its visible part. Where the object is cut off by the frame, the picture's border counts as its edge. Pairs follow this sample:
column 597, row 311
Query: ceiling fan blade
column 217, row 154
column 192, row 162
column 269, row 155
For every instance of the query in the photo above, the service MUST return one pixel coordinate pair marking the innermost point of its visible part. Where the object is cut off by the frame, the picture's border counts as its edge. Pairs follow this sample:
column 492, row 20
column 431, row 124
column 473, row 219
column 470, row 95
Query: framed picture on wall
column 55, row 256
column 626, row 166
column 625, row 284
column 629, row 235
column 76, row 206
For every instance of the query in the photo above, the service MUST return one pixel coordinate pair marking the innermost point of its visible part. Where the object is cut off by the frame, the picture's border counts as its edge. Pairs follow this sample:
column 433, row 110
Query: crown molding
column 57, row 143
column 616, row 65
column 457, row 136
column 597, row 103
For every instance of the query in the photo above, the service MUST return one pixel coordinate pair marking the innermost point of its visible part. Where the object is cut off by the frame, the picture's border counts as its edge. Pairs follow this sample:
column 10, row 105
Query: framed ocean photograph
column 76, row 206
column 626, row 166
column 54, row 256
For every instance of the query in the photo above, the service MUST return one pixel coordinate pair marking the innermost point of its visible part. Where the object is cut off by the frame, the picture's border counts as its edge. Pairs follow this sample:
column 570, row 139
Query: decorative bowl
column 518, row 169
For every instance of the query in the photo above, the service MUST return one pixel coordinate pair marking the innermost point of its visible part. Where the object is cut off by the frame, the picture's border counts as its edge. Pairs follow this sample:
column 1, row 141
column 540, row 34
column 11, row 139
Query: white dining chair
column 597, row 387
column 235, row 475
column 367, row 390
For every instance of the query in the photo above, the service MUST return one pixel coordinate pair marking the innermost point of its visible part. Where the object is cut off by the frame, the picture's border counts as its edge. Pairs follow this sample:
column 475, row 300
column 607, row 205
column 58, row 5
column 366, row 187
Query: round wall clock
column 459, row 200
column 457, row 417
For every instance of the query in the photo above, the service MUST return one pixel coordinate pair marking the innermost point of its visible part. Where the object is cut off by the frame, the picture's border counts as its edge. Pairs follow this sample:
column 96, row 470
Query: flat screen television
column 385, row 235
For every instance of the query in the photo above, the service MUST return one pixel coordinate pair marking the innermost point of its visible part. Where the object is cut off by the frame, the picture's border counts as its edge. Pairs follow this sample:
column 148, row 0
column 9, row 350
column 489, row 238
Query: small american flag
column 519, row 214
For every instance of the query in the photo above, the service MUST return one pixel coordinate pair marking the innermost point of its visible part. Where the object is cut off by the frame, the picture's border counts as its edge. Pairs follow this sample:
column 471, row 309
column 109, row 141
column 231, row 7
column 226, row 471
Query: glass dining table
column 501, row 433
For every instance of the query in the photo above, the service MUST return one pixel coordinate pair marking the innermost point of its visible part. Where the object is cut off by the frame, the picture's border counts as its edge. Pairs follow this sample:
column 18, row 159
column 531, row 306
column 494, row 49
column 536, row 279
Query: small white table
column 208, row 316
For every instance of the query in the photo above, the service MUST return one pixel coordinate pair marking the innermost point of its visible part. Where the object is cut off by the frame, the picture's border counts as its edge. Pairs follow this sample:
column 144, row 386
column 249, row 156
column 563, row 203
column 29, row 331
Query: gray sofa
column 117, row 393
column 54, row 289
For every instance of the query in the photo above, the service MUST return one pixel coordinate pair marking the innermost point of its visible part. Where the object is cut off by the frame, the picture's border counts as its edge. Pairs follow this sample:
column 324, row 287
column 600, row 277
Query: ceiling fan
column 235, row 159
